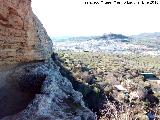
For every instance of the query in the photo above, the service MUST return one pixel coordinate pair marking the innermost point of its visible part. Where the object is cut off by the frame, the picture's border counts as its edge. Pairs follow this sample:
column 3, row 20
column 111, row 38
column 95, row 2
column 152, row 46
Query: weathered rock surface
column 56, row 100
column 31, row 86
column 22, row 36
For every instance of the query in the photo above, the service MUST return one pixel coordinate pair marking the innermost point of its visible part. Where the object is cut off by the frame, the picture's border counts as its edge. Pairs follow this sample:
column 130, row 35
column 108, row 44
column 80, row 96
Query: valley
column 109, row 71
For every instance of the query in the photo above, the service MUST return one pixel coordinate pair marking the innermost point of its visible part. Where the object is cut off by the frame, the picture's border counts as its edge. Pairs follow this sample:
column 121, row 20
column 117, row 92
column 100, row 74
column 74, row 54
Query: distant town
column 146, row 44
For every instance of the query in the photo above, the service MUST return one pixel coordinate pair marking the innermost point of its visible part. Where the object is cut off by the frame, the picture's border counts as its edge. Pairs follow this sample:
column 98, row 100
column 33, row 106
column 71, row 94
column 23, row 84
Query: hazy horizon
column 74, row 18
column 65, row 36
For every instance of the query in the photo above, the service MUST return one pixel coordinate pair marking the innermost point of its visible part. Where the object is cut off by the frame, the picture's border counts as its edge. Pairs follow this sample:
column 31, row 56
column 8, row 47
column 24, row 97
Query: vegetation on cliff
column 100, row 72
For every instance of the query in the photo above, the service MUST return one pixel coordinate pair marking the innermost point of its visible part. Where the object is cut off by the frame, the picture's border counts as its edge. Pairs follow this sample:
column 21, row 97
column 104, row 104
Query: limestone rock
column 56, row 100
column 32, row 89
column 22, row 36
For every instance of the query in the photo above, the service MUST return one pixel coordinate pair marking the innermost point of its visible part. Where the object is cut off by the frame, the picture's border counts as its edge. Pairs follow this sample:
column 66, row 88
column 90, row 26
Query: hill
column 112, row 43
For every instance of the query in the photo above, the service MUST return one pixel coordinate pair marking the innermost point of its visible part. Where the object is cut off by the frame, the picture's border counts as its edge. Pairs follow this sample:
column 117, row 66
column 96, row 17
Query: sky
column 75, row 18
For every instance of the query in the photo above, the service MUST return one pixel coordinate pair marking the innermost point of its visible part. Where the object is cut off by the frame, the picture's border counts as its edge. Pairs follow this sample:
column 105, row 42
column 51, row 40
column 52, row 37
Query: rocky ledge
column 55, row 98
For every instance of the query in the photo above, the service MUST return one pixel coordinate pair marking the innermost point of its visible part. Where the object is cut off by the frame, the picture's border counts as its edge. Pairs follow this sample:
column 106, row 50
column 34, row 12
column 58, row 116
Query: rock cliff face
column 31, row 85
column 22, row 36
